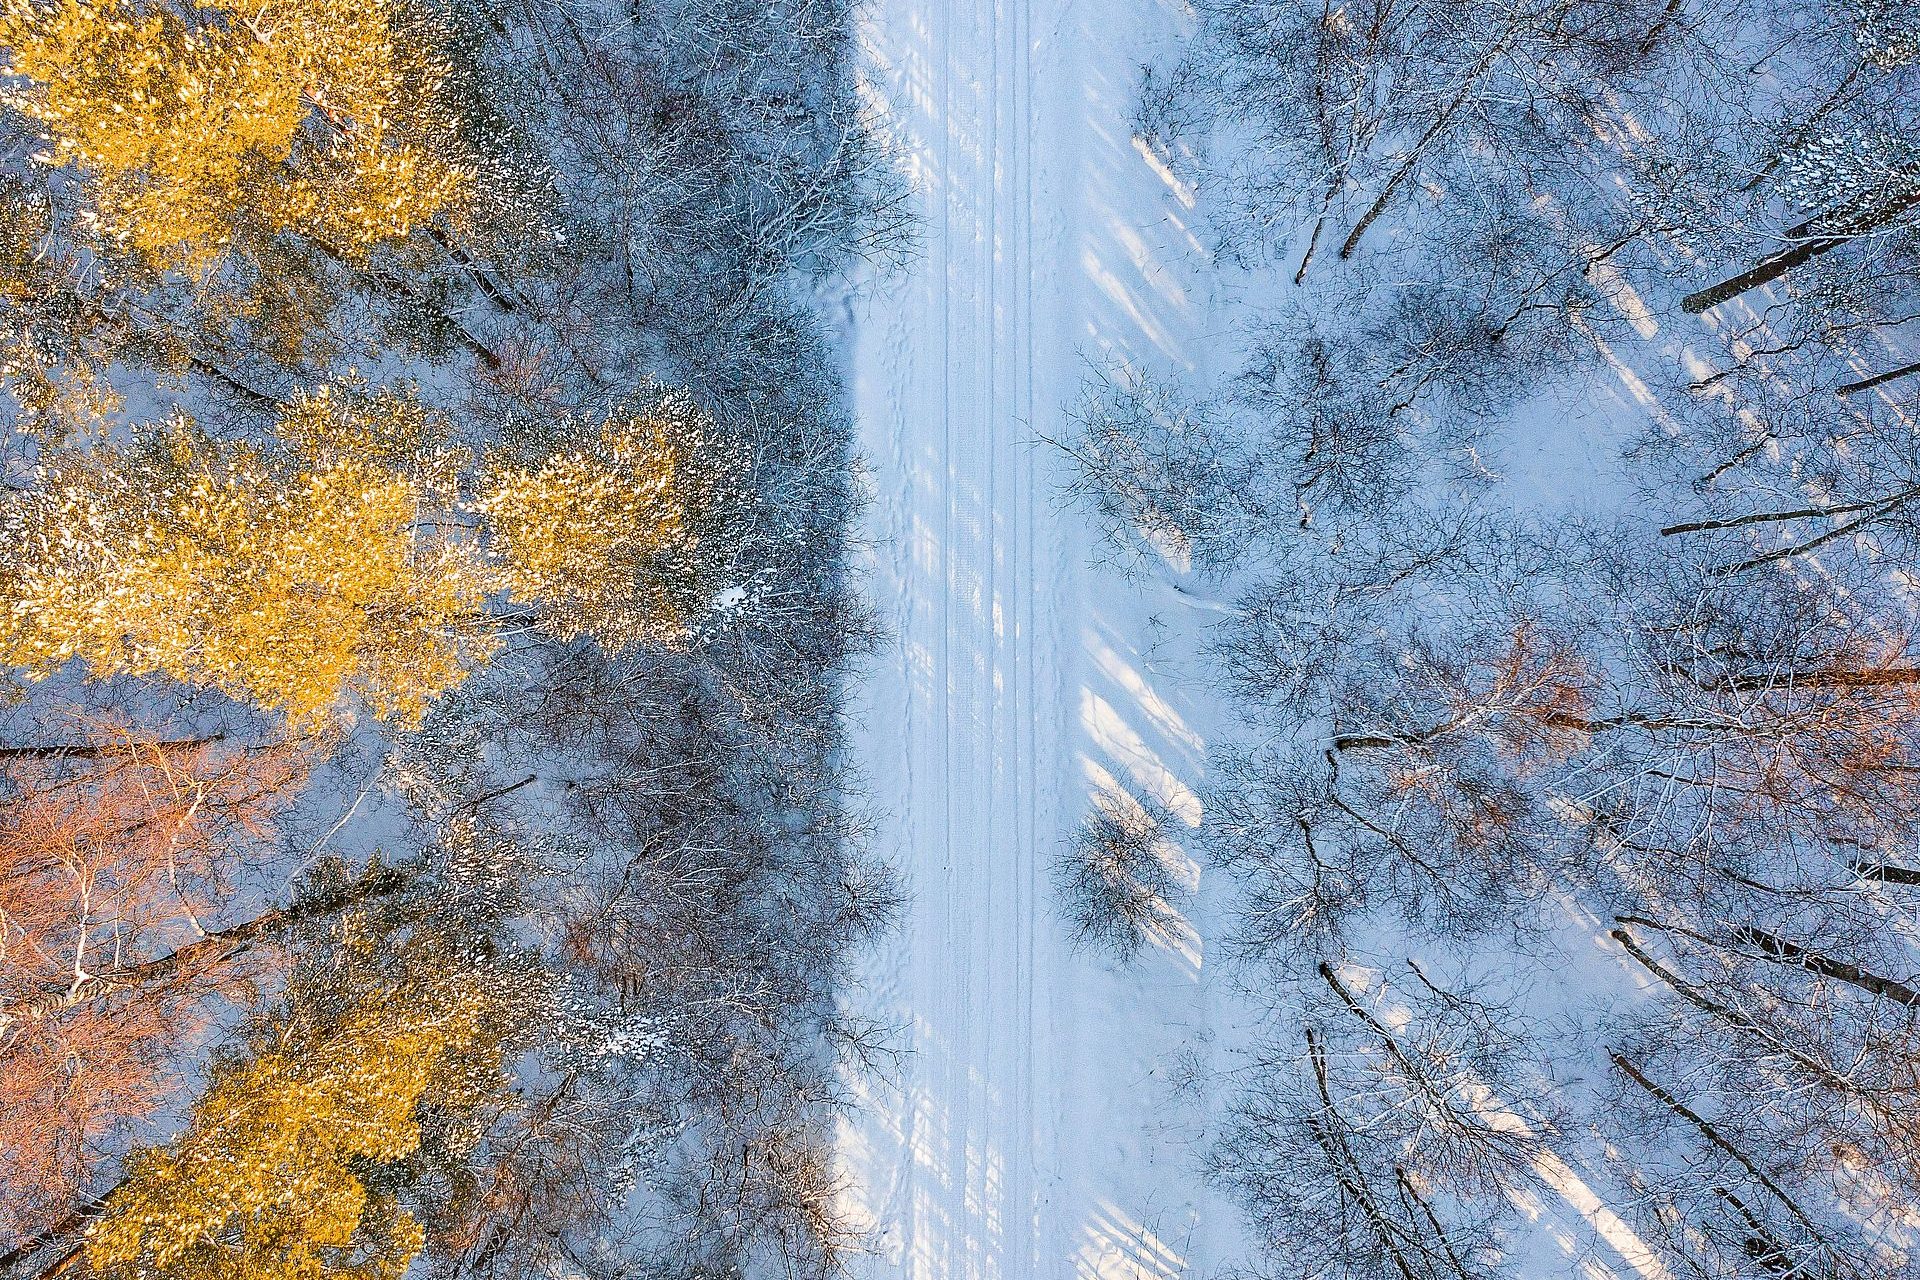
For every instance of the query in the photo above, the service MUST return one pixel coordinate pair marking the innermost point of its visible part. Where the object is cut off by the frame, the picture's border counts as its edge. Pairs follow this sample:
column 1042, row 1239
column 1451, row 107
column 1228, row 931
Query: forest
column 494, row 489
column 1568, row 807
column 423, row 845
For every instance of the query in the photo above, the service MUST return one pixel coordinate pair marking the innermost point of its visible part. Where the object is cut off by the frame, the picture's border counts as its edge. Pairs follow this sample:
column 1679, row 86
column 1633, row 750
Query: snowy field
column 1035, row 1126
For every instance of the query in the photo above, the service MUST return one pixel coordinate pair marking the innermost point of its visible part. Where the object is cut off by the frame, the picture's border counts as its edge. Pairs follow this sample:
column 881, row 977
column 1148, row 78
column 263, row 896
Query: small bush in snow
column 1115, row 884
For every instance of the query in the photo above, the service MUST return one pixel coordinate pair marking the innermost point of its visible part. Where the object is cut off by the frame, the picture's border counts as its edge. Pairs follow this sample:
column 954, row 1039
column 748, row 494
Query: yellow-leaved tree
column 286, row 575
column 623, row 534
column 270, row 1179
column 358, row 550
column 197, row 124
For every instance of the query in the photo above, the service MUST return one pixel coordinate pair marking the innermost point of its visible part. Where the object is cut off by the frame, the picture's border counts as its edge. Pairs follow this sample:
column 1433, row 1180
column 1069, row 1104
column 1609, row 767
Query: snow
column 1037, row 1125
column 1049, row 1113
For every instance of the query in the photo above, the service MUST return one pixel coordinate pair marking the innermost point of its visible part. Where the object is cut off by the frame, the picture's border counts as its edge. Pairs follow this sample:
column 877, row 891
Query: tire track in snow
column 1025, row 1136
column 945, row 396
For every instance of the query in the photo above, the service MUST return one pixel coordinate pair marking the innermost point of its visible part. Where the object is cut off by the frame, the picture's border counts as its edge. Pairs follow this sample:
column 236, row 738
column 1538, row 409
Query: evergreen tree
column 624, row 534
column 197, row 126
column 285, row 576
column 272, row 1175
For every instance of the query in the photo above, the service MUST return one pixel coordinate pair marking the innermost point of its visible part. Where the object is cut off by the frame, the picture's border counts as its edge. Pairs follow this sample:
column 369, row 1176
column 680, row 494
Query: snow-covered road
column 1033, row 1129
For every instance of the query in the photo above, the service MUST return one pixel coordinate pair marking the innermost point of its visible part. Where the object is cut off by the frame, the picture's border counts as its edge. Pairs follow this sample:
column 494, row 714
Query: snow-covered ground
column 1036, row 1127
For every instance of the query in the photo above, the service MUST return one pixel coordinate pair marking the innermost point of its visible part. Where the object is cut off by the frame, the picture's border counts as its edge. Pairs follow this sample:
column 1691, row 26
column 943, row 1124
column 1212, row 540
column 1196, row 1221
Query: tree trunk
column 1408, row 1193
column 495, row 292
column 232, row 383
column 1887, row 873
column 1711, row 1134
column 1879, row 678
column 1412, row 158
column 1867, row 384
column 75, row 1220
column 98, row 751
column 1876, row 512
column 1554, row 719
column 1345, row 1172
column 1763, row 1246
column 1400, row 175
column 1667, row 15
column 1782, row 951
column 1336, row 168
column 1764, row 517
column 395, row 285
column 1771, row 268
column 1778, row 950
column 198, row 956
column 1741, row 1022
column 1420, row 1077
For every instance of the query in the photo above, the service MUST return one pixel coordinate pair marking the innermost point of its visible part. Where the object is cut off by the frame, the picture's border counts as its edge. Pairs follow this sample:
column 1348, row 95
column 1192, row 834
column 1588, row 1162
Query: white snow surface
column 1042, row 1120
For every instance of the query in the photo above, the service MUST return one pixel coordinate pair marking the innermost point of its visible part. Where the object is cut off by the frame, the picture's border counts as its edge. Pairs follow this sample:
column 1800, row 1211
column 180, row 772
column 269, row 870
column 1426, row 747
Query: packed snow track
column 1031, row 1128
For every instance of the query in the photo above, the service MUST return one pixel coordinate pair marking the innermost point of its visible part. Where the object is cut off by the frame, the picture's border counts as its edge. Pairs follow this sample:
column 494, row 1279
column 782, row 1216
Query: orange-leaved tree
column 118, row 851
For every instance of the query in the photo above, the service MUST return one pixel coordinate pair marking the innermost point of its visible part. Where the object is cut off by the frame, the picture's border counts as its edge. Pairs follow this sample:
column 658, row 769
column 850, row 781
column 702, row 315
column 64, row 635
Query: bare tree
column 1116, row 882
column 1369, row 1151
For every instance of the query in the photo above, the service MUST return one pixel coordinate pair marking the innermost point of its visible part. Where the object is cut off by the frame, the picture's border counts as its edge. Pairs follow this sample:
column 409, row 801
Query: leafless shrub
column 1116, row 882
